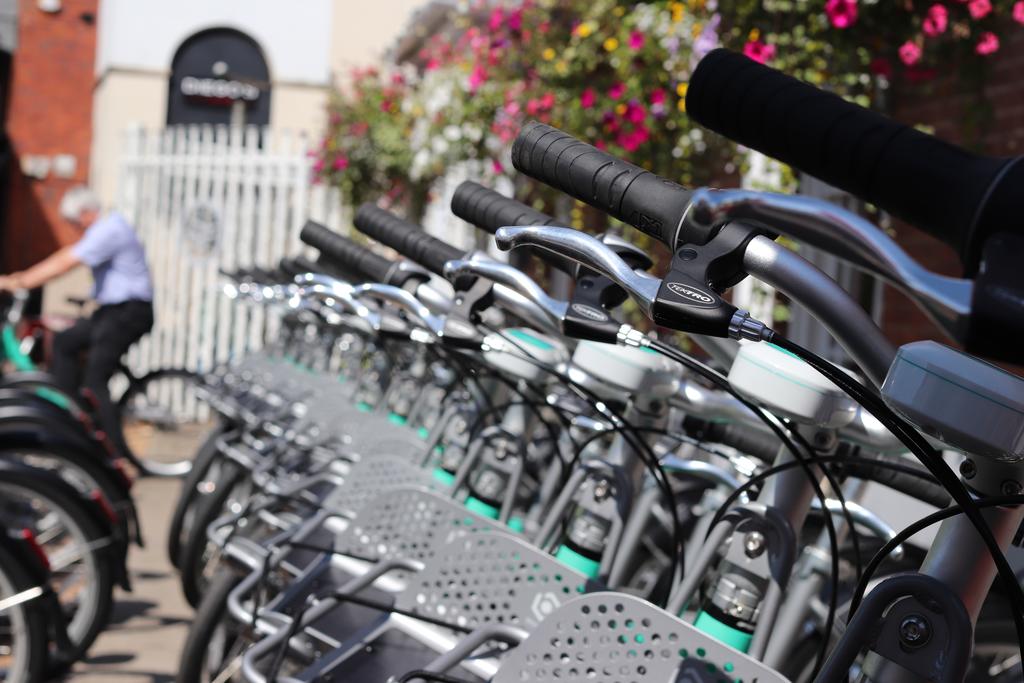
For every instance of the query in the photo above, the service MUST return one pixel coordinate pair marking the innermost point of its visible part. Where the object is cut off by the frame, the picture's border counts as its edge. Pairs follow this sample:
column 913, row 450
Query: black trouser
column 104, row 338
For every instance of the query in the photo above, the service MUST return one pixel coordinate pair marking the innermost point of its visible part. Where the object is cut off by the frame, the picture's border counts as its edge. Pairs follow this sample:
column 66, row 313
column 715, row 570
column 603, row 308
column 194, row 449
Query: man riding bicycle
column 123, row 289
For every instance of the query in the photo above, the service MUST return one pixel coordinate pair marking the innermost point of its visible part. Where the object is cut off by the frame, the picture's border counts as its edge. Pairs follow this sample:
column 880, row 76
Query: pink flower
column 512, row 108
column 841, row 13
column 547, row 100
column 601, row 145
column 496, row 166
column 1018, row 12
column 433, row 64
column 910, row 53
column 935, row 20
column 532, row 107
column 635, row 113
column 987, row 43
column 497, row 19
column 658, row 96
column 978, row 10
column 587, row 98
column 515, row 20
column 617, row 91
column 340, row 164
column 477, row 77
column 758, row 51
column 318, row 167
column 636, row 40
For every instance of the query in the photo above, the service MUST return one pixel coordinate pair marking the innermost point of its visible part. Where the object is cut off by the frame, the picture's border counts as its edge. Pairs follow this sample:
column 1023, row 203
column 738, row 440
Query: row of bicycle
column 68, row 517
column 437, row 471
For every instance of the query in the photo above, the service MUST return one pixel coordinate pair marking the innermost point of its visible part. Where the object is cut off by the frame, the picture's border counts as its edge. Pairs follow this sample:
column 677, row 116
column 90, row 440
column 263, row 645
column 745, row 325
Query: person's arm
column 52, row 266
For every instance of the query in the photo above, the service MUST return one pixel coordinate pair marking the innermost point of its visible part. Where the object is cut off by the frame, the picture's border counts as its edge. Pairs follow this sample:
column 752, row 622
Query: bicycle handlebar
column 490, row 210
column 648, row 202
column 344, row 253
column 404, row 237
column 955, row 195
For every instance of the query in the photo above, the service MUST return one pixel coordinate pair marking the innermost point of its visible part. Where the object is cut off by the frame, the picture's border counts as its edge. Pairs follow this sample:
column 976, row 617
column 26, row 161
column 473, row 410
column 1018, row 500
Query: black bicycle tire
column 212, row 610
column 209, row 508
column 49, row 486
column 189, row 495
column 36, row 627
column 137, row 385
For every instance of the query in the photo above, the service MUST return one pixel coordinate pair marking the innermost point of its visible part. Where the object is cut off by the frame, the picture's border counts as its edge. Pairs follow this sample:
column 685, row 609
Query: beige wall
column 300, row 108
column 363, row 31
column 122, row 99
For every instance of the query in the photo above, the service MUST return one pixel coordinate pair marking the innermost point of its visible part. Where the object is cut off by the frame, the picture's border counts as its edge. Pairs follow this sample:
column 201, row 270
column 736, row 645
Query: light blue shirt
column 118, row 261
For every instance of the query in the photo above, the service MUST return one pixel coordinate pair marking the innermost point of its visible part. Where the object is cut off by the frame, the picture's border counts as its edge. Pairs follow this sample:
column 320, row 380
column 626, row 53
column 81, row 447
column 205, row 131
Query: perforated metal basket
column 617, row 638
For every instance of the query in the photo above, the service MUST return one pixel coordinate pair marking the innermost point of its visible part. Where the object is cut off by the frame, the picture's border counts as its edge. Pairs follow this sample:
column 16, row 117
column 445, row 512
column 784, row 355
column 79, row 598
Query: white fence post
column 211, row 198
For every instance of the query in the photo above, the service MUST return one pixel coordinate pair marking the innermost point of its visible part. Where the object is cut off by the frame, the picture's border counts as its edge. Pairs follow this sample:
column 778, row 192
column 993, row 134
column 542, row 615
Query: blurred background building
column 75, row 75
column 195, row 116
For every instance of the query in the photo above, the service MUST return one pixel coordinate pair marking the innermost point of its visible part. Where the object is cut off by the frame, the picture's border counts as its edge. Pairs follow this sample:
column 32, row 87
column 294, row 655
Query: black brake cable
column 642, row 448
column 911, row 529
column 761, row 476
column 802, row 461
column 928, row 457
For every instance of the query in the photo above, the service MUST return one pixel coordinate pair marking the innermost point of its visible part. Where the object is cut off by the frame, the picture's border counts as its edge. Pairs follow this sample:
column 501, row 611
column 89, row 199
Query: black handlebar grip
column 344, row 253
column 304, row 265
column 490, row 210
column 647, row 202
column 925, row 489
column 957, row 196
column 288, row 268
column 406, row 238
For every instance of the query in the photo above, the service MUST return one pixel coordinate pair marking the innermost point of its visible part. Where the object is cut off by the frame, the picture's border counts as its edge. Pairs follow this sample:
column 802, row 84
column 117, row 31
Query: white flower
column 439, row 145
column 452, row 132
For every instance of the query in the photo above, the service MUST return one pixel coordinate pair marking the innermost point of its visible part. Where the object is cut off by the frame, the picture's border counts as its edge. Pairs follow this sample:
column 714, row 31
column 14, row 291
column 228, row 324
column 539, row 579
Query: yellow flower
column 548, row 54
column 696, row 29
column 620, row 109
column 619, row 11
column 611, row 44
column 682, row 105
column 561, row 67
column 754, row 34
column 682, row 88
column 677, row 11
column 584, row 29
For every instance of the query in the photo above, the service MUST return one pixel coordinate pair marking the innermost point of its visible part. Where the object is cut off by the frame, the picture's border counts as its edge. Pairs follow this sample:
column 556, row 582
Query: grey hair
column 76, row 200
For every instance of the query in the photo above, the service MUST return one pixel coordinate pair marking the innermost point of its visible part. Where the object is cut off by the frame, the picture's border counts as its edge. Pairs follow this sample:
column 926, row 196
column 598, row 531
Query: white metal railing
column 204, row 198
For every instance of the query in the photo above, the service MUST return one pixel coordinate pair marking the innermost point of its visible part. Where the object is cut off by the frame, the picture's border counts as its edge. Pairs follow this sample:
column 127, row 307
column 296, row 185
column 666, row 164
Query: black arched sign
column 219, row 76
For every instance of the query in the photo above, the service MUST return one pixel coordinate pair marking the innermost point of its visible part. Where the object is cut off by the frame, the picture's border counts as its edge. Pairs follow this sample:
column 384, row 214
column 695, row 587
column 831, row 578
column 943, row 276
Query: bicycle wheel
column 77, row 548
column 163, row 422
column 214, row 640
column 204, row 467
column 197, row 553
column 23, row 629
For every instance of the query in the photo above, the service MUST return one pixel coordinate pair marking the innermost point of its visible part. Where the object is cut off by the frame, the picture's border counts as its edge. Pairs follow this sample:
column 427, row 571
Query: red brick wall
column 943, row 104
column 49, row 113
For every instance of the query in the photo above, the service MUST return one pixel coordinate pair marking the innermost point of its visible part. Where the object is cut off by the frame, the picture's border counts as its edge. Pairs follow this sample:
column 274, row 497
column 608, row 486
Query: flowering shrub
column 615, row 73
column 856, row 46
column 366, row 151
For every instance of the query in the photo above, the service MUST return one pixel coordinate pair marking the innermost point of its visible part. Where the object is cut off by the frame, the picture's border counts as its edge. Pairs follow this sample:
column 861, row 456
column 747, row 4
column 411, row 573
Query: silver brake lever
column 404, row 300
column 326, row 281
column 513, row 278
column 586, row 250
column 844, row 234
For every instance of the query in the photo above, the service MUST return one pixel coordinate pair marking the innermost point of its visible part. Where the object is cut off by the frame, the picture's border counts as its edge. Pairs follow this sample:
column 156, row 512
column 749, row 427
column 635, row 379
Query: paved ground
column 149, row 625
